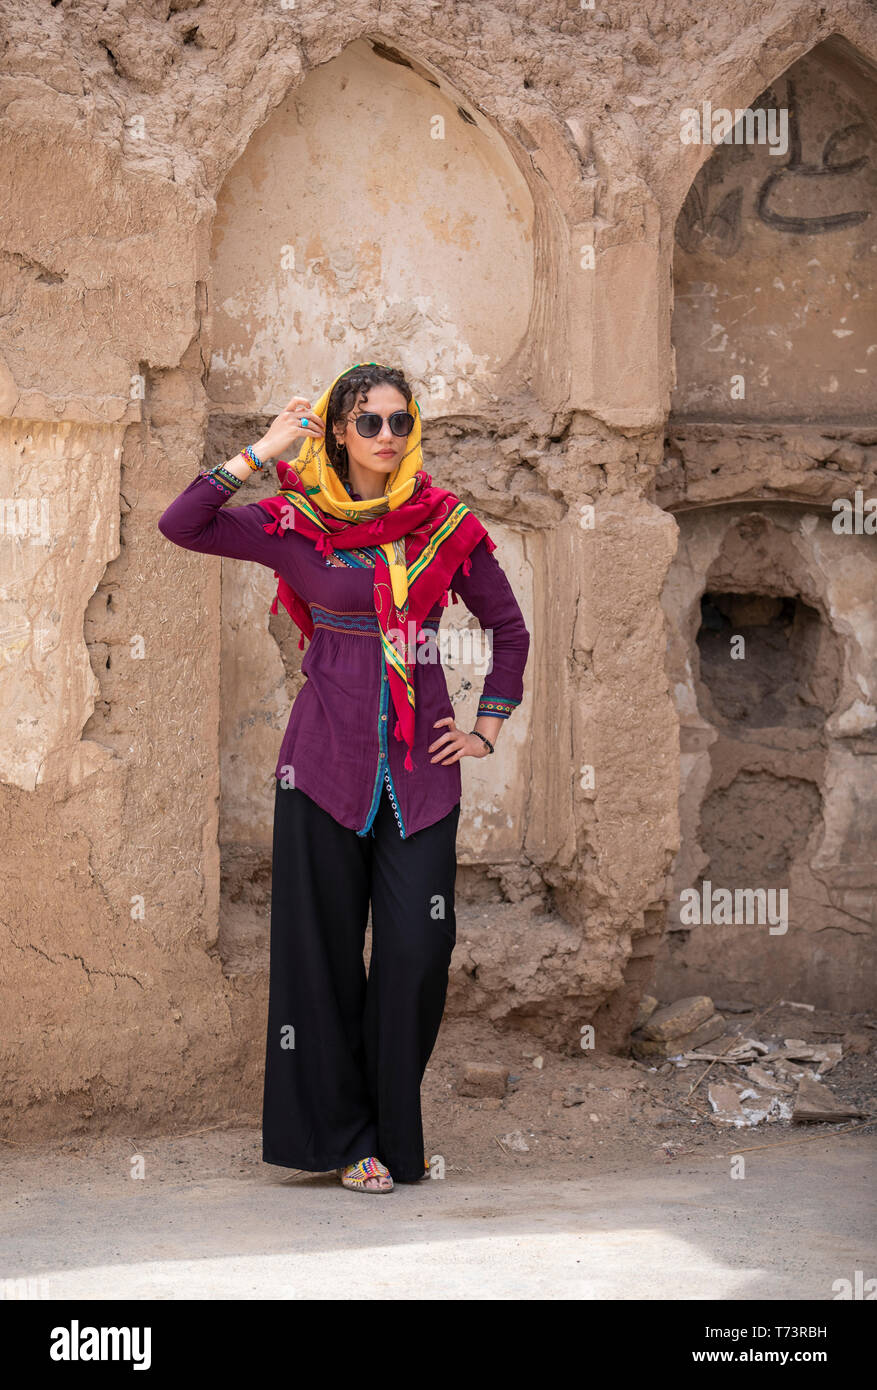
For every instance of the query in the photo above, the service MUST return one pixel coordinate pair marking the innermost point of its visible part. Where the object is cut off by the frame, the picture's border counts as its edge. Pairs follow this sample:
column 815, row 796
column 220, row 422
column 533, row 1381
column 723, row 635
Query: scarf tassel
column 408, row 764
column 467, row 564
column 325, row 543
column 301, row 642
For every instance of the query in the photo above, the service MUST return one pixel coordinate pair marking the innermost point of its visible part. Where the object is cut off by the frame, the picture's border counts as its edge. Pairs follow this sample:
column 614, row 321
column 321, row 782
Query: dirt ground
column 625, row 1194
column 625, row 1111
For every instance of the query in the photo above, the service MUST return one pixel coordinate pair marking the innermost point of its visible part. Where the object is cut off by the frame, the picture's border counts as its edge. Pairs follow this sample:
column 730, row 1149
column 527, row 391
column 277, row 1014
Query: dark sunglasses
column 368, row 424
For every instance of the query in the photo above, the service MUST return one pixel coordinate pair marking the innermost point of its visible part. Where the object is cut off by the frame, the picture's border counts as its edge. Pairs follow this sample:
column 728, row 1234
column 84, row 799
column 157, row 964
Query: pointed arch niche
column 775, row 282
column 375, row 206
column 375, row 215
column 775, row 257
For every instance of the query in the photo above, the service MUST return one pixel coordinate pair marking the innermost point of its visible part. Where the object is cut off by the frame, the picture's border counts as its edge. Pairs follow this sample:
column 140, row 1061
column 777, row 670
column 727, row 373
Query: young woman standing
column 367, row 783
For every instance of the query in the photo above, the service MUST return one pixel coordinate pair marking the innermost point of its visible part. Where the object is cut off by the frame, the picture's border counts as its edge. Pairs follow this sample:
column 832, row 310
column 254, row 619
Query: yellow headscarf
column 327, row 492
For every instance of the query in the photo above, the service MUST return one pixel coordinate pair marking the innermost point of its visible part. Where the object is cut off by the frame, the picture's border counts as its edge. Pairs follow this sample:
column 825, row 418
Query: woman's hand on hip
column 456, row 744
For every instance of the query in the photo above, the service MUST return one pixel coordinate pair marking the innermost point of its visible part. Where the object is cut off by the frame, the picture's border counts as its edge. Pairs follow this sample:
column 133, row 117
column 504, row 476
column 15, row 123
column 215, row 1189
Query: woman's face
column 382, row 453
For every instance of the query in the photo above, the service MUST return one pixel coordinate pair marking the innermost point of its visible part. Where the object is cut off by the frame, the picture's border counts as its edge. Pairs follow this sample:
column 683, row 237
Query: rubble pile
column 754, row 1080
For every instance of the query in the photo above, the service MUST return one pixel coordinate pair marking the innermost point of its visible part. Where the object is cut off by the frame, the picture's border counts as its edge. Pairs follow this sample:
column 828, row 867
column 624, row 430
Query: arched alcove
column 776, row 243
column 375, row 215
column 375, row 205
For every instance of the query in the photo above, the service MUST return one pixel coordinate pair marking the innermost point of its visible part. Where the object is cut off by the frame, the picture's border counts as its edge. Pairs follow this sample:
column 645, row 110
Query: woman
column 365, row 550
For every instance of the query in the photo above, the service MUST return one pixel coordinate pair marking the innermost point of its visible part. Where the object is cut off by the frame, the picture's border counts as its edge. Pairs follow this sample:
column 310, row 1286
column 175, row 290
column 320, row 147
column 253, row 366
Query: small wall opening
column 766, row 660
column 753, row 829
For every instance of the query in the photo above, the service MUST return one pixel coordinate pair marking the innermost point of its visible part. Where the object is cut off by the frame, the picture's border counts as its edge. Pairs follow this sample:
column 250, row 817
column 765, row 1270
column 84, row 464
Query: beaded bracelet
column 252, row 459
column 231, row 478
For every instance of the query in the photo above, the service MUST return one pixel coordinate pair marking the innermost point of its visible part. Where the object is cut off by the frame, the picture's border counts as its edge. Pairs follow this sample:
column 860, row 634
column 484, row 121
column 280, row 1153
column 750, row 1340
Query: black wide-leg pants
column 345, row 1052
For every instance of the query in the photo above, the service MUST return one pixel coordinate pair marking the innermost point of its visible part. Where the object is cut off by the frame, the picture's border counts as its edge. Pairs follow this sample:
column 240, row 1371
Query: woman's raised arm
column 194, row 519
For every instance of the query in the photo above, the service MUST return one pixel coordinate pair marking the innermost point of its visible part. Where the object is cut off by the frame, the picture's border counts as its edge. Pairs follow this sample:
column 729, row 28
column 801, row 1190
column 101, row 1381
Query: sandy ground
column 628, row 1194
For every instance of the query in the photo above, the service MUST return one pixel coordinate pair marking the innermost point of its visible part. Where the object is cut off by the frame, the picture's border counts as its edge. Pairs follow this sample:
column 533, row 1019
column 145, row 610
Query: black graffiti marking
column 724, row 226
column 811, row 226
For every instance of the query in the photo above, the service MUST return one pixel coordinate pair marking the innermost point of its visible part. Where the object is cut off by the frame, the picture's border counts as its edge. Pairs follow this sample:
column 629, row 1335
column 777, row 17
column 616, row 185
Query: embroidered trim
column 356, row 622
column 364, row 559
column 383, row 776
column 498, row 708
column 218, row 482
column 344, row 622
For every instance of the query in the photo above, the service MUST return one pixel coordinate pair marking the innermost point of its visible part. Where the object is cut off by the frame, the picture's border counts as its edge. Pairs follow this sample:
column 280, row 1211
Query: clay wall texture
column 646, row 363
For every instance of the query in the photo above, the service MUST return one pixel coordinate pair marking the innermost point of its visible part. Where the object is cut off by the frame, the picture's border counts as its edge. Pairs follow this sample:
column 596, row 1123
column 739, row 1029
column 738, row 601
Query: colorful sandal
column 356, row 1175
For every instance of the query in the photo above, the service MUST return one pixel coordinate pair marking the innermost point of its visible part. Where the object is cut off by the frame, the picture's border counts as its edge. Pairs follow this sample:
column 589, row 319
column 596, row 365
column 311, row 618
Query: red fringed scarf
column 438, row 532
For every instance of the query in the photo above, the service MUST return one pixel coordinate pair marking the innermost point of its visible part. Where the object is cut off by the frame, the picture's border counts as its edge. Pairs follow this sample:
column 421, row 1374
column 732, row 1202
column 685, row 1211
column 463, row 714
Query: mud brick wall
column 646, row 361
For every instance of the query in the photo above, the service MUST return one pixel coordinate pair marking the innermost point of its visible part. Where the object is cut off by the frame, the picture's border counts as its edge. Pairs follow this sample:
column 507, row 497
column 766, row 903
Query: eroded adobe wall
column 771, row 595
column 777, row 751
column 154, row 317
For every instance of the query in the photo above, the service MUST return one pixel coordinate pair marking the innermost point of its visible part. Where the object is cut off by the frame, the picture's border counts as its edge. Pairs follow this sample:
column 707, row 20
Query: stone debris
column 701, row 1055
column 767, row 1081
column 648, row 1050
column 483, row 1079
column 725, row 1102
column 676, row 1020
column 676, row 1029
column 731, row 1047
column 859, row 1043
column 827, row 1055
column 713, row 1028
column 516, row 1142
column 575, row 1095
column 647, row 1006
column 741, row 1106
column 835, row 1054
column 734, row 1006
column 797, row 1050
column 780, row 1077
column 815, row 1102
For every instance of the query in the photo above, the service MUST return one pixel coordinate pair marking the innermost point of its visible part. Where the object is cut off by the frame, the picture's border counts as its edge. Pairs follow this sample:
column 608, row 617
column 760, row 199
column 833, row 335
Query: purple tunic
column 338, row 747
